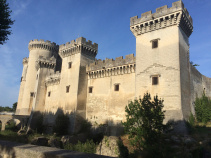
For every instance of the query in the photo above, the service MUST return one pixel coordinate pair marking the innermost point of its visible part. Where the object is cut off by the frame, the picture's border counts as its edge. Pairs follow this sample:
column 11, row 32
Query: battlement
column 53, row 78
column 43, row 62
column 109, row 63
column 41, row 44
column 76, row 45
column 163, row 17
column 25, row 60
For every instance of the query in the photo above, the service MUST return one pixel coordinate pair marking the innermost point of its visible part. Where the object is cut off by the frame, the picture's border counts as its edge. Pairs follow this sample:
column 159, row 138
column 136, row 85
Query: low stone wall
column 17, row 150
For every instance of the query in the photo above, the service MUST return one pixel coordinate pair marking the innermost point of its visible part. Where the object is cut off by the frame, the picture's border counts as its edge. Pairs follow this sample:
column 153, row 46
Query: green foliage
column 88, row 147
column 124, row 153
column 61, row 124
column 144, row 123
column 8, row 109
column 14, row 106
column 203, row 109
column 5, row 21
column 39, row 126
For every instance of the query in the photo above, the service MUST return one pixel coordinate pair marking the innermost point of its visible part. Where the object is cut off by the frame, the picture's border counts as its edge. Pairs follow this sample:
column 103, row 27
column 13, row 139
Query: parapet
column 168, row 16
column 76, row 45
column 53, row 78
column 110, row 63
column 25, row 60
column 47, row 63
column 41, row 44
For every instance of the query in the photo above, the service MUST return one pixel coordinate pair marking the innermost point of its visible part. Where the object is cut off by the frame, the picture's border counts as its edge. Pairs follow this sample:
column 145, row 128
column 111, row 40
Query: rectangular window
column 154, row 43
column 155, row 80
column 49, row 94
column 116, row 87
column 31, row 94
column 67, row 89
column 90, row 89
column 69, row 65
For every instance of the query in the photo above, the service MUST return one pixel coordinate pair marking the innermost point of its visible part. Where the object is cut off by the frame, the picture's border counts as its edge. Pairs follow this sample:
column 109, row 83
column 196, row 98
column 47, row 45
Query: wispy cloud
column 18, row 6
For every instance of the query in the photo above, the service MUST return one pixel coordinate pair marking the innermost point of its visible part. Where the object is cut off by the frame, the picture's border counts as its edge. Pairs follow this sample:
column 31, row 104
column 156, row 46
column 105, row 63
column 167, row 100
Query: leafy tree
column 61, row 125
column 5, row 21
column 203, row 109
column 14, row 106
column 144, row 123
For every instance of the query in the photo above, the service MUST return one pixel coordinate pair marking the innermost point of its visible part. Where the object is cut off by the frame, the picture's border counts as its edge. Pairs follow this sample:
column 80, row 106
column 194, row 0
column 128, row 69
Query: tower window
column 116, row 87
column 31, row 94
column 69, row 65
column 90, row 89
column 155, row 43
column 49, row 94
column 155, row 80
column 67, row 89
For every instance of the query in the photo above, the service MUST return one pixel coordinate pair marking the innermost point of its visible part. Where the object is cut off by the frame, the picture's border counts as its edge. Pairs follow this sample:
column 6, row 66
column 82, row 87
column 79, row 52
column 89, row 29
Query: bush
column 88, row 147
column 144, row 123
column 203, row 109
column 61, row 124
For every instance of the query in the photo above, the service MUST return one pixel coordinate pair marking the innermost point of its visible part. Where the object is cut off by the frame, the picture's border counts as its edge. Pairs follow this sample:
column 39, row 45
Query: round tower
column 37, row 48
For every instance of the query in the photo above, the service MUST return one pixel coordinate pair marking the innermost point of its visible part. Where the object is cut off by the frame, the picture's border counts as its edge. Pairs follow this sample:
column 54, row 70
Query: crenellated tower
column 162, row 57
column 37, row 51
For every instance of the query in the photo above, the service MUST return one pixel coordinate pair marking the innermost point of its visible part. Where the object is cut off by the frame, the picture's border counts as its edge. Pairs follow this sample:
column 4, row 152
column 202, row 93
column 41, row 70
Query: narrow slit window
column 116, row 87
column 69, row 65
column 155, row 80
column 49, row 94
column 67, row 89
column 90, row 89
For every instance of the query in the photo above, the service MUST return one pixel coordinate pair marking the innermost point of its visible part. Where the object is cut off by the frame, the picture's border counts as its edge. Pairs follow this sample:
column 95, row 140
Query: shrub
column 203, row 109
column 61, row 124
column 88, row 147
column 144, row 123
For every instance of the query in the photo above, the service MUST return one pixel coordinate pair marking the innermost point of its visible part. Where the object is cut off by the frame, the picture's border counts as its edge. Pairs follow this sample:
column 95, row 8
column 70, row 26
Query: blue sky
column 106, row 22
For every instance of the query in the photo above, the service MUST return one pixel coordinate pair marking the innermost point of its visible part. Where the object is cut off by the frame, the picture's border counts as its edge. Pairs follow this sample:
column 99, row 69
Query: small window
column 69, row 65
column 154, row 43
column 21, row 79
column 67, row 89
column 155, row 80
column 116, row 87
column 49, row 94
column 90, row 89
column 31, row 94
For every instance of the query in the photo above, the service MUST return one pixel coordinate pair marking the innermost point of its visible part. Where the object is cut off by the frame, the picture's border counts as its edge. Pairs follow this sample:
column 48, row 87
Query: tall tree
column 5, row 21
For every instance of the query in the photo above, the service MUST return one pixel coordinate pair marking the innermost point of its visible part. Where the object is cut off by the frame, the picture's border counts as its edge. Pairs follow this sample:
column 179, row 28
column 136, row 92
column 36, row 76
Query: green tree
column 61, row 125
column 14, row 106
column 5, row 21
column 144, row 123
column 203, row 109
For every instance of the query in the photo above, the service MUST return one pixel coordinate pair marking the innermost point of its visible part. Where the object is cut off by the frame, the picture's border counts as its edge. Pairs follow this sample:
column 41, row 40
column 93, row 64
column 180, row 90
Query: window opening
column 67, row 89
column 31, row 94
column 116, row 87
column 49, row 94
column 90, row 89
column 155, row 80
column 155, row 43
column 69, row 65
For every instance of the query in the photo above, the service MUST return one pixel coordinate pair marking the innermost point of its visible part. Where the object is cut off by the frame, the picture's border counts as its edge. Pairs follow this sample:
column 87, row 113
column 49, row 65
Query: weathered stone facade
column 68, row 77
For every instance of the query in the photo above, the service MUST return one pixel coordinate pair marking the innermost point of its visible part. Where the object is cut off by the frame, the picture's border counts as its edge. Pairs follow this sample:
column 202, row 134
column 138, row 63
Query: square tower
column 162, row 57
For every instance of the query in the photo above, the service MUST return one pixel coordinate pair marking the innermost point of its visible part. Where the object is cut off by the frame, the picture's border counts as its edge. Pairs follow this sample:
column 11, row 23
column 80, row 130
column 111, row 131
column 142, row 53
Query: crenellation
column 46, row 63
column 41, row 44
column 75, row 46
column 158, row 19
column 111, row 63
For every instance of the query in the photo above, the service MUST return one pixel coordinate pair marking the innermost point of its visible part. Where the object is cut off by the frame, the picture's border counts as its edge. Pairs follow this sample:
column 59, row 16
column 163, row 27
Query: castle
column 69, row 77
